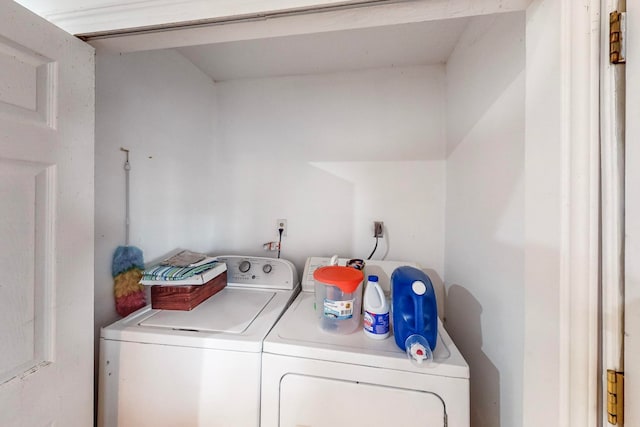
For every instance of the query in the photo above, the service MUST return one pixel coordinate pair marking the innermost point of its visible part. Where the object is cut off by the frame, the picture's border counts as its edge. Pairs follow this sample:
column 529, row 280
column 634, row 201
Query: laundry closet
column 445, row 123
column 420, row 125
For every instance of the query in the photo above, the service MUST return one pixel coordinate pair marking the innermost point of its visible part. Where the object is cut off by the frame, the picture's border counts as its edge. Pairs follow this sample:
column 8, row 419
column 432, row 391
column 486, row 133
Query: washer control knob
column 244, row 266
column 267, row 268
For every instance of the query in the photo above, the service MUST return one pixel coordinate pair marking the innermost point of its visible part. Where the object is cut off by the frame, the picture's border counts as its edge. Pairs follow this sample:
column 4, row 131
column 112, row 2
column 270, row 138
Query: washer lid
column 234, row 319
column 230, row 311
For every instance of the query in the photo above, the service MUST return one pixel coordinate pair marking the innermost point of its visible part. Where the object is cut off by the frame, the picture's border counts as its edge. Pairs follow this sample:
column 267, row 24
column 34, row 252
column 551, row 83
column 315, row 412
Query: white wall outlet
column 281, row 223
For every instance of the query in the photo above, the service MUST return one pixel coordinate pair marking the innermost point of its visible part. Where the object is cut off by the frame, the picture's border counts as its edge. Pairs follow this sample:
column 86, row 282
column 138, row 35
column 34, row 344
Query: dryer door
column 314, row 402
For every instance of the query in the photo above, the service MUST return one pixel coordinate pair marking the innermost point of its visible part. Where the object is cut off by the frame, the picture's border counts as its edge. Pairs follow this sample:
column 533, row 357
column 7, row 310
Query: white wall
column 161, row 108
column 214, row 166
column 332, row 153
column 484, row 254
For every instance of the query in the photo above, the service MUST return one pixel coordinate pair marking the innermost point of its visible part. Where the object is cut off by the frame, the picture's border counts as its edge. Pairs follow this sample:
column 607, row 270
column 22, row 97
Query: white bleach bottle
column 376, row 310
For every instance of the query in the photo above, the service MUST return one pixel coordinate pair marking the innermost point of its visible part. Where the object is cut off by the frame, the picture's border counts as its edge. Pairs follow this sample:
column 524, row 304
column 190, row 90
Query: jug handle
column 419, row 316
column 380, row 295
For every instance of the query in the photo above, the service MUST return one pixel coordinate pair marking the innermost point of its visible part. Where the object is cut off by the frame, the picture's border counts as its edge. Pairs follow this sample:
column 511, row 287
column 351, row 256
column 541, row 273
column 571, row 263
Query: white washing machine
column 313, row 378
column 200, row 367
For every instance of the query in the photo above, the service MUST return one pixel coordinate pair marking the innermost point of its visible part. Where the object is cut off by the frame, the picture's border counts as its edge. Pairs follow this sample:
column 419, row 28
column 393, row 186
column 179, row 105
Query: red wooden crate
column 186, row 297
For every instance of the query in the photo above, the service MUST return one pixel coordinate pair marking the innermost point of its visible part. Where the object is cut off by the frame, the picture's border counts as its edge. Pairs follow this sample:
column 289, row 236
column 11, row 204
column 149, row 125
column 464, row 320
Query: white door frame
column 612, row 210
column 562, row 214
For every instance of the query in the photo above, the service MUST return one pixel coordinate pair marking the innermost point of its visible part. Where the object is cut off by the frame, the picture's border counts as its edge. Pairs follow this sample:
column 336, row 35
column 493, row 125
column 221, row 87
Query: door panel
column 25, row 322
column 28, row 85
column 46, row 232
column 307, row 401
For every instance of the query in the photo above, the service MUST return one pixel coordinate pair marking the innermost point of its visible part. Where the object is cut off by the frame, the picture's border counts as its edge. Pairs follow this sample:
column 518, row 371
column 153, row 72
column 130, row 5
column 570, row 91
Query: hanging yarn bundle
column 127, row 266
column 127, row 271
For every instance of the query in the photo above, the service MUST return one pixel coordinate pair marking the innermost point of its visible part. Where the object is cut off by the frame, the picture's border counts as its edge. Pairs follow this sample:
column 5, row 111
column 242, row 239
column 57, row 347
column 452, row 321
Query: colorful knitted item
column 127, row 270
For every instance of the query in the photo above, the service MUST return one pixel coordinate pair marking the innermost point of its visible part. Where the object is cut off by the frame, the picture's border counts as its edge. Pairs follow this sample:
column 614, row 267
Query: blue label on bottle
column 376, row 323
column 340, row 310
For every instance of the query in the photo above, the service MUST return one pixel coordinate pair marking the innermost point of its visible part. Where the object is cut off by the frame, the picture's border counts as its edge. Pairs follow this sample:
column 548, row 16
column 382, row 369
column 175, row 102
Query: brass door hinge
column 617, row 36
column 615, row 397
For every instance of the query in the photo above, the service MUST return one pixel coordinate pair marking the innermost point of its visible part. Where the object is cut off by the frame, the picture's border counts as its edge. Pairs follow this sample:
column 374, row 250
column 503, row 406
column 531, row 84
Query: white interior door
column 632, row 220
column 46, row 226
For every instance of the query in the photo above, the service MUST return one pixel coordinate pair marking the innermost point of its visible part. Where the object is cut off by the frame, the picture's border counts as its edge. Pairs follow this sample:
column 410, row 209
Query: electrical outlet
column 281, row 223
column 377, row 229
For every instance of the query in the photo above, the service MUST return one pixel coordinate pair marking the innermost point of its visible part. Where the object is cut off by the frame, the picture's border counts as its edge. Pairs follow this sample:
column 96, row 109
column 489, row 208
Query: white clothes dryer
column 200, row 367
column 313, row 378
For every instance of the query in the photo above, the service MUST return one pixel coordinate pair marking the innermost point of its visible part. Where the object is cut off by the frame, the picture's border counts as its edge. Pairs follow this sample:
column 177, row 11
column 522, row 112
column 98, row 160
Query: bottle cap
column 372, row 278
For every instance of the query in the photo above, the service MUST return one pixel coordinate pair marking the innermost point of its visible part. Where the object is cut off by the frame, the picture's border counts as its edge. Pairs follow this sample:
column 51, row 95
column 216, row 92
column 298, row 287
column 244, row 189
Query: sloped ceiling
column 396, row 45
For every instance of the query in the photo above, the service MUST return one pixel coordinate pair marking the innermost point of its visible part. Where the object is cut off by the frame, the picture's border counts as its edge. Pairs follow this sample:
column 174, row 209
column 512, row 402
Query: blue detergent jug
column 415, row 313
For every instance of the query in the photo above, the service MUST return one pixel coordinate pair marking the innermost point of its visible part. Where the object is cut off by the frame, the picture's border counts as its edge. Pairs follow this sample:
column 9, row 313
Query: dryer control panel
column 260, row 272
